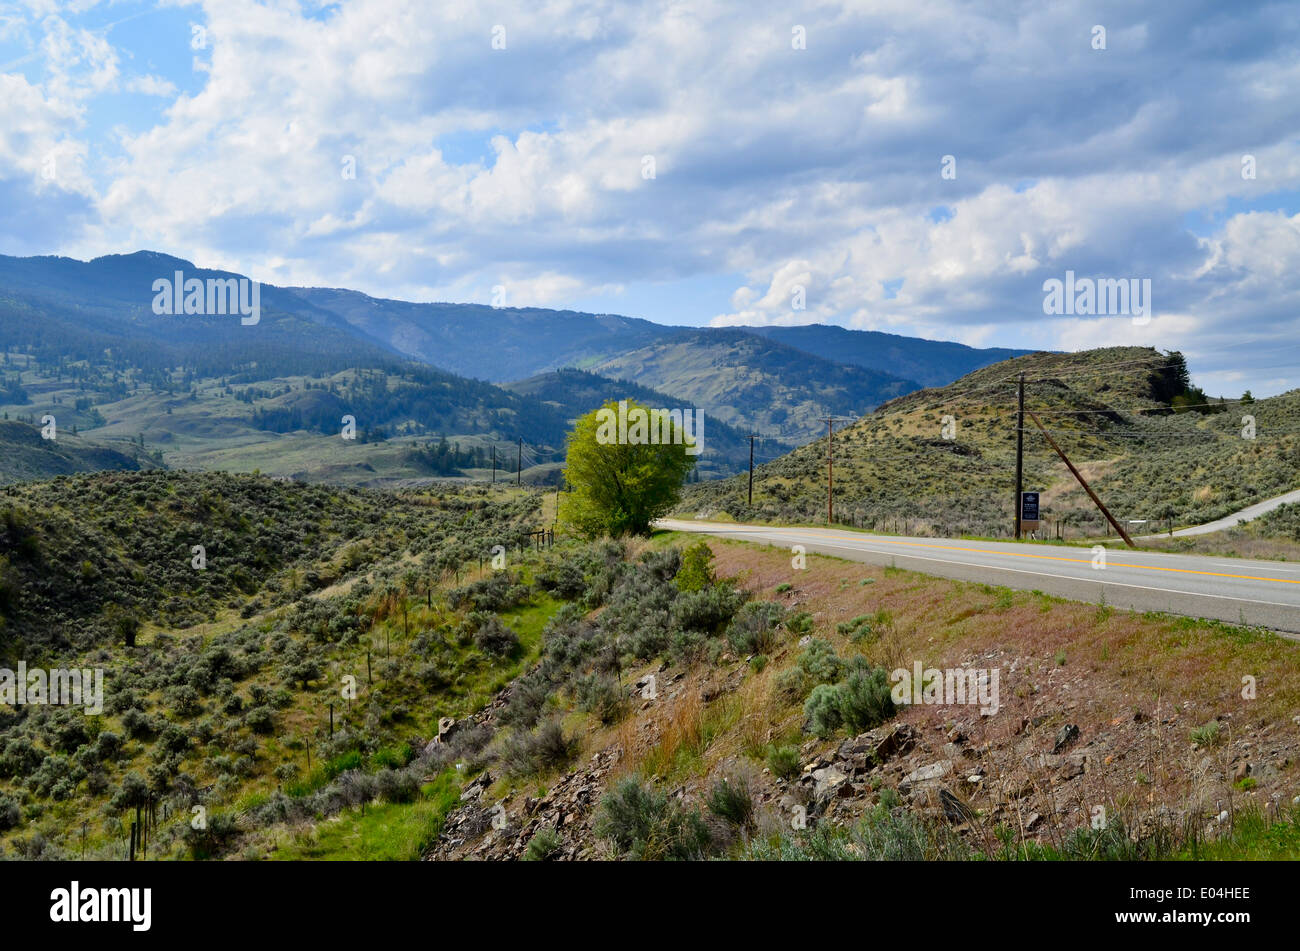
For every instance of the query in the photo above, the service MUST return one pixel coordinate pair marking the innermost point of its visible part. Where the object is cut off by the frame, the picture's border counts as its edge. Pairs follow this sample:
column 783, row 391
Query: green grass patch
column 383, row 832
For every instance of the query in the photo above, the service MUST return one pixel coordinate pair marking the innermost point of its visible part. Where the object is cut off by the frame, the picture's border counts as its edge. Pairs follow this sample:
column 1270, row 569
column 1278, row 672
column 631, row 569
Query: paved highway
column 1231, row 521
column 1227, row 589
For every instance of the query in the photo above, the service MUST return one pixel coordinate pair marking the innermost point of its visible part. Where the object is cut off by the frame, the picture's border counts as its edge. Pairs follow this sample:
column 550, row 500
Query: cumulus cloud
column 575, row 148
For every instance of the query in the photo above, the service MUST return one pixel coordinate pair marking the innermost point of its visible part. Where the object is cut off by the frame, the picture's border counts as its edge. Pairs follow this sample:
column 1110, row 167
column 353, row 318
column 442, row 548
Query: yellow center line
column 1018, row 554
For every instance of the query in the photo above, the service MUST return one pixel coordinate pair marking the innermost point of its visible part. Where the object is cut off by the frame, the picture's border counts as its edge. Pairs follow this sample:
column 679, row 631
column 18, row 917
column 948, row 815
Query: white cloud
column 818, row 167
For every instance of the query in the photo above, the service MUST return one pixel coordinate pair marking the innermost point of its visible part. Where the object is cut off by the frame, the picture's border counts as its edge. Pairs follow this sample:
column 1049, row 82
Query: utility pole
column 830, row 471
column 519, row 470
column 751, row 470
column 830, row 464
column 1087, row 488
column 494, row 465
column 1020, row 451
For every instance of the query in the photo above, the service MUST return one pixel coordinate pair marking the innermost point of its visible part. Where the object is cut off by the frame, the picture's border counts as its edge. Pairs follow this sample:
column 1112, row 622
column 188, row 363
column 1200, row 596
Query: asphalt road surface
column 1260, row 593
column 1231, row 521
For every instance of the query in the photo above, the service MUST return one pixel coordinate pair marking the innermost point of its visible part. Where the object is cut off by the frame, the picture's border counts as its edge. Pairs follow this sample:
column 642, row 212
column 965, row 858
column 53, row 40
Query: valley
column 379, row 653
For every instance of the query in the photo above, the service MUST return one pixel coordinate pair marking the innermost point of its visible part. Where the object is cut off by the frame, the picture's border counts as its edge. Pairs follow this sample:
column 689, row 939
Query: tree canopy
column 619, row 486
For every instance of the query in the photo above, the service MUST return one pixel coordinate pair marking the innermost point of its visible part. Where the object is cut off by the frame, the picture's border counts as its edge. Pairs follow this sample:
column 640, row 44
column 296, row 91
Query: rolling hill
column 25, row 455
column 1109, row 409
column 749, row 381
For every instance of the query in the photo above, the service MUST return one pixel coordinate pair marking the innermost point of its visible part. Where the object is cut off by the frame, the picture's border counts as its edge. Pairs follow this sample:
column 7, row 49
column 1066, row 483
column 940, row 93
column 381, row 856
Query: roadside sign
column 1028, row 506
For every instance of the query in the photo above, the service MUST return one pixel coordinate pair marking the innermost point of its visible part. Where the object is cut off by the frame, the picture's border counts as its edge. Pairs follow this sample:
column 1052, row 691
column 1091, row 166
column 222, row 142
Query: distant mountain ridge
column 928, row 362
column 80, row 336
column 497, row 344
column 748, row 380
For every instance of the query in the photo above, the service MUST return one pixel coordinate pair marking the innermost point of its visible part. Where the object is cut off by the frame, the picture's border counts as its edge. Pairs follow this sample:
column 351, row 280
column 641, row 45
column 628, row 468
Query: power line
column 1158, row 434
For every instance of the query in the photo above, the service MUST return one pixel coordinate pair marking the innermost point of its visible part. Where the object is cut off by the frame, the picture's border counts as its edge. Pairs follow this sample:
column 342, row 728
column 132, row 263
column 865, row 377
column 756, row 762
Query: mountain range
column 80, row 340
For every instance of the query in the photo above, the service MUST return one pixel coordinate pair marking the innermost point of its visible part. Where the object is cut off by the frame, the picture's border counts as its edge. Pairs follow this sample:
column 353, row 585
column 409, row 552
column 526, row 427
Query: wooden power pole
column 830, row 422
column 751, row 470
column 1020, row 452
column 519, row 466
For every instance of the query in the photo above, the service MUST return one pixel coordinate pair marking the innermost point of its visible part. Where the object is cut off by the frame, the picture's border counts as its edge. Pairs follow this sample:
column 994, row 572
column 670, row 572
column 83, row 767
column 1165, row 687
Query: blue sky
column 913, row 168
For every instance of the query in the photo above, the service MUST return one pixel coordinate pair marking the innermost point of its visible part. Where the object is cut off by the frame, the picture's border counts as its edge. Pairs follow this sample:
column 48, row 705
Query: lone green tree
column 623, row 478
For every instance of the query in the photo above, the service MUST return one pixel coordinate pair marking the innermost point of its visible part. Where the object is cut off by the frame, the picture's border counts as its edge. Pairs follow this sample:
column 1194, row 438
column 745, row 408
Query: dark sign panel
column 1029, row 506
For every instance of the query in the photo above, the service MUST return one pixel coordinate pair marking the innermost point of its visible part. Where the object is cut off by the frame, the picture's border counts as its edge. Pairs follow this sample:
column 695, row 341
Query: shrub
column 783, row 761
column 860, row 703
column 204, row 843
column 708, row 610
column 731, row 799
column 603, row 696
column 495, row 638
column 857, row 629
column 754, row 629
column 791, row 685
column 1207, row 735
column 696, row 572
column 138, row 724
column 865, row 699
column 528, row 698
column 10, row 814
column 20, row 757
column 800, row 623
column 260, row 720
column 133, row 792
column 431, row 677
column 564, row 580
column 397, row 785
column 687, row 647
column 547, row 748
column 174, row 740
column 819, row 662
column 543, row 845
column 643, row 824
column 184, row 701
column 822, row 709
column 499, row 591
column 68, row 736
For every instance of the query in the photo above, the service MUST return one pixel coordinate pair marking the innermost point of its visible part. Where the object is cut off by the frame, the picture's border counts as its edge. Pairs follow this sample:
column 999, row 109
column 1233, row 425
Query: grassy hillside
column 282, row 425
column 598, row 700
column 750, row 382
column 760, row 730
column 25, row 455
column 229, row 697
column 1109, row 409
